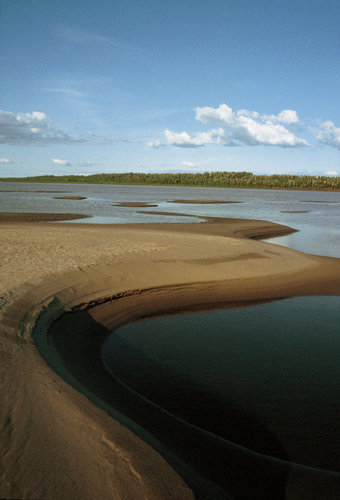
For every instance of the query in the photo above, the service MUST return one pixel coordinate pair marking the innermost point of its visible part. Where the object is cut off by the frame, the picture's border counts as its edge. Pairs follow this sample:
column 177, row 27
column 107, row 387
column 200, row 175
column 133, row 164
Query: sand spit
column 136, row 204
column 69, row 197
column 295, row 211
column 29, row 191
column 318, row 201
column 203, row 202
column 29, row 217
column 63, row 434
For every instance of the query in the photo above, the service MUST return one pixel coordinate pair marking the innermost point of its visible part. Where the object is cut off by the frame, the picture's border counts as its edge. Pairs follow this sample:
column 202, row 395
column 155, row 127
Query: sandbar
column 134, row 204
column 203, row 202
column 295, row 211
column 66, row 431
column 38, row 217
column 70, row 197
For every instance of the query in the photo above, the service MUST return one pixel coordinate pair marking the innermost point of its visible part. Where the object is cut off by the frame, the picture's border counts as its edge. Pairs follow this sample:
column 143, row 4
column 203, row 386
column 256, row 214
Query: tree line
column 206, row 179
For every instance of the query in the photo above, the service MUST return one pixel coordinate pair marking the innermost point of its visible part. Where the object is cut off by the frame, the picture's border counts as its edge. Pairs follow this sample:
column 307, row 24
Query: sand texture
column 66, row 431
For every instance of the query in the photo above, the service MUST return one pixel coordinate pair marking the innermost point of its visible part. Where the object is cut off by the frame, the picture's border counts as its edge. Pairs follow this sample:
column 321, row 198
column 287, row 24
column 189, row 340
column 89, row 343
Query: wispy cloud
column 29, row 129
column 328, row 134
column 6, row 160
column 241, row 128
column 155, row 144
column 86, row 164
column 37, row 129
column 66, row 91
column 85, row 38
column 102, row 139
column 63, row 163
column 188, row 164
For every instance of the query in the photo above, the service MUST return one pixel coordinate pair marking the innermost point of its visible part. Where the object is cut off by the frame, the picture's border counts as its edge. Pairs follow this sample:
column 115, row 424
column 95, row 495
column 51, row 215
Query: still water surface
column 314, row 214
column 258, row 376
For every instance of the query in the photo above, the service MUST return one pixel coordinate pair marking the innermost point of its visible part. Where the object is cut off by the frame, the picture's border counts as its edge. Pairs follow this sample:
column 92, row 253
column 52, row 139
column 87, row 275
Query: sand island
column 66, row 431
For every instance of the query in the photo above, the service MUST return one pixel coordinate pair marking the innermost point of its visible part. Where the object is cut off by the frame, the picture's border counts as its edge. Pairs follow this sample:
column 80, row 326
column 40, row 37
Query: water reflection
column 314, row 214
column 312, row 239
column 266, row 370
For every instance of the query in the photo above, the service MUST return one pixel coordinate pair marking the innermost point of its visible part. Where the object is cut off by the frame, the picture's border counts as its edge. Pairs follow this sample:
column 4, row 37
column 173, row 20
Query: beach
column 66, row 429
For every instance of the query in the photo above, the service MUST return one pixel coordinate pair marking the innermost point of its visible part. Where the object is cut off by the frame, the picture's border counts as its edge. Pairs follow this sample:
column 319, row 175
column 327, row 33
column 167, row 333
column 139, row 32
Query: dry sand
column 64, row 432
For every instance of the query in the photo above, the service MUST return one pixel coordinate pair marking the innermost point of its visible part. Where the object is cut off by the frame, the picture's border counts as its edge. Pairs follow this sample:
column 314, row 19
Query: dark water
column 265, row 376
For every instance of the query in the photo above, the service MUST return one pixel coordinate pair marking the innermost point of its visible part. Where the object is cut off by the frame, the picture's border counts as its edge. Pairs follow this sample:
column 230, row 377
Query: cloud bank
column 241, row 128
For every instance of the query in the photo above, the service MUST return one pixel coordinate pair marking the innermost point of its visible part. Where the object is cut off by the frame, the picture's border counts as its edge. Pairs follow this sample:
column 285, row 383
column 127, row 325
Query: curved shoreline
column 151, row 268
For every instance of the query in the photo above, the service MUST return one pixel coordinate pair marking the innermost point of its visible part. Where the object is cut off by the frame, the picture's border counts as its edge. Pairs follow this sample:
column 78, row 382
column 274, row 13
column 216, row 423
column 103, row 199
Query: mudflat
column 66, row 430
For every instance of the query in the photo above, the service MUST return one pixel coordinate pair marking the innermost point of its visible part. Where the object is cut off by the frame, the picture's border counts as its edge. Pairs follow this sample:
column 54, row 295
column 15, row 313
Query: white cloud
column 328, row 134
column 154, row 144
column 64, row 163
column 248, row 127
column 188, row 164
column 183, row 140
column 287, row 116
column 37, row 129
column 28, row 129
column 5, row 160
column 220, row 116
column 332, row 173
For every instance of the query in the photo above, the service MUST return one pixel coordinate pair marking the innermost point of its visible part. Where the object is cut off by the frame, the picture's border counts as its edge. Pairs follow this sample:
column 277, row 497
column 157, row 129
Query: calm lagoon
column 258, row 375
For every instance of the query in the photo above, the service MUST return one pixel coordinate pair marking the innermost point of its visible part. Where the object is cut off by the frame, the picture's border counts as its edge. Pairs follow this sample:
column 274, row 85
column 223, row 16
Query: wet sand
column 134, row 204
column 67, row 430
column 203, row 202
column 69, row 197
column 38, row 217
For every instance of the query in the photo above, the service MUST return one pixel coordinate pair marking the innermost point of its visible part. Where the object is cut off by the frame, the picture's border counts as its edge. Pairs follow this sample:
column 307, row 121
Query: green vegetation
column 208, row 179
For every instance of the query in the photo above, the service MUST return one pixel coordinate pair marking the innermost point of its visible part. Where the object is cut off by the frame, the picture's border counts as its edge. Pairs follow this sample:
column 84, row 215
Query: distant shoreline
column 242, row 180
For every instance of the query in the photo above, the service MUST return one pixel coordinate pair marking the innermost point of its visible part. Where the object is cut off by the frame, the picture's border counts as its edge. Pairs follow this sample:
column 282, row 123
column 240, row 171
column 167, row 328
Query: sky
column 112, row 86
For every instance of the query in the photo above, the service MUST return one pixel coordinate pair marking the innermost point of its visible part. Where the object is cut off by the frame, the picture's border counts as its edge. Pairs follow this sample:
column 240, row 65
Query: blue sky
column 169, row 86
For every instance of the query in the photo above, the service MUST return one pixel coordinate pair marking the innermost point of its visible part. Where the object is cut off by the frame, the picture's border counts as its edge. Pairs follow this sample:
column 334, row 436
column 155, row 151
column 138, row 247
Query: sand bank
column 203, row 202
column 29, row 217
column 69, row 197
column 135, row 204
column 66, row 431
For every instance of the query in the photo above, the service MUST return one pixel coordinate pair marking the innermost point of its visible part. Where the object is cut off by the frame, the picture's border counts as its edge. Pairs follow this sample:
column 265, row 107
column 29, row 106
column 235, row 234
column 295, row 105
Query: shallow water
column 265, row 376
column 314, row 214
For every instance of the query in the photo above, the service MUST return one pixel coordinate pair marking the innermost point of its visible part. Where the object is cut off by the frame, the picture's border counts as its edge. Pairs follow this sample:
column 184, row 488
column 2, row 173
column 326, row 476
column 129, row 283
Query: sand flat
column 59, row 439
